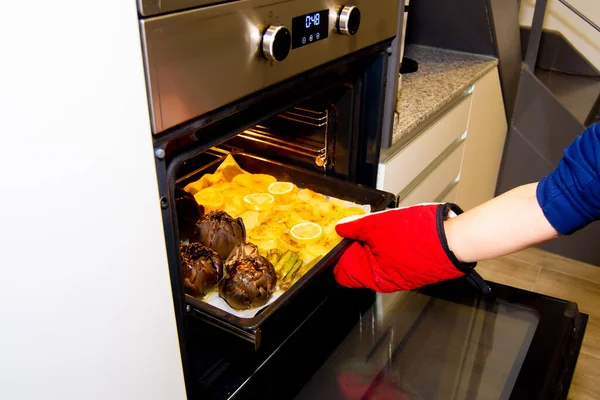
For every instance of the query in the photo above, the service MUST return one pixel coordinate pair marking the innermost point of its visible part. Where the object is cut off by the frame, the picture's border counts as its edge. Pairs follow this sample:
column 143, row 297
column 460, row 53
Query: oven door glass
column 446, row 341
column 422, row 347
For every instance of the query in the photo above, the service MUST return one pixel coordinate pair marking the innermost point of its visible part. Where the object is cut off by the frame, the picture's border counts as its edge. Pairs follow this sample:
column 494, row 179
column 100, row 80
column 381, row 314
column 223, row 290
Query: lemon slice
column 259, row 201
column 209, row 198
column 306, row 232
column 281, row 188
column 284, row 192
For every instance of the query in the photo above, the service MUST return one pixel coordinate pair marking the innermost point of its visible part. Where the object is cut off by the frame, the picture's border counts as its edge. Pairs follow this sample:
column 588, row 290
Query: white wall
column 85, row 304
column 559, row 18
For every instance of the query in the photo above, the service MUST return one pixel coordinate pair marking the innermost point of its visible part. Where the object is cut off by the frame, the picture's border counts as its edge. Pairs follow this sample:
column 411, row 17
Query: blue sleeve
column 570, row 195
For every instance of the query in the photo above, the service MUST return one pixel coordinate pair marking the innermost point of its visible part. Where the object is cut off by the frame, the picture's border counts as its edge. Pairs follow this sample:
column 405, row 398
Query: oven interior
column 306, row 136
column 312, row 144
column 314, row 135
column 316, row 130
column 323, row 126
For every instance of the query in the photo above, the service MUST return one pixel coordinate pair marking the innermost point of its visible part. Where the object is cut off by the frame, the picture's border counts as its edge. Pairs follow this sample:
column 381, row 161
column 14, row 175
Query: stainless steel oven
column 200, row 59
column 296, row 89
column 293, row 89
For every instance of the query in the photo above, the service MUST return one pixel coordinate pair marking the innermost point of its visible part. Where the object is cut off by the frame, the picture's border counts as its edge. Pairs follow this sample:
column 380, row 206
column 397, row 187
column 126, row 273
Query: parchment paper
column 215, row 300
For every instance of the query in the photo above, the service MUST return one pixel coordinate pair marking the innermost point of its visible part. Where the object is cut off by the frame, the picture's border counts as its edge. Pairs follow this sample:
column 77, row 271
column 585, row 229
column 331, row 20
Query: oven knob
column 276, row 43
column 348, row 20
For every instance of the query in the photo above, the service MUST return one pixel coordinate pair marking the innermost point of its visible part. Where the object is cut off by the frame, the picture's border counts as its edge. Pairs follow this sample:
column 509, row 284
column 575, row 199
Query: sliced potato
column 261, row 234
column 338, row 204
column 266, row 245
column 305, row 256
column 325, row 210
column 264, row 180
column 317, row 249
column 255, row 182
column 286, row 242
column 295, row 218
column 329, row 231
column 301, row 206
column 211, row 199
column 222, row 187
column 308, row 195
column 234, row 212
column 236, row 201
column 353, row 210
column 250, row 219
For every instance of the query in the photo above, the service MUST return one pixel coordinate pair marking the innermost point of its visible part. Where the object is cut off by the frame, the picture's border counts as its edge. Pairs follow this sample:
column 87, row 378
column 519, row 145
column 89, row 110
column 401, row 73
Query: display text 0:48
column 313, row 20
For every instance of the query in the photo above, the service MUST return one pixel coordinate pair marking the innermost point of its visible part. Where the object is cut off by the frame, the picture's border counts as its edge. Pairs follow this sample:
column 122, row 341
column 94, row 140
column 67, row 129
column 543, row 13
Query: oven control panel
column 197, row 60
column 307, row 29
column 310, row 28
column 276, row 42
column 348, row 20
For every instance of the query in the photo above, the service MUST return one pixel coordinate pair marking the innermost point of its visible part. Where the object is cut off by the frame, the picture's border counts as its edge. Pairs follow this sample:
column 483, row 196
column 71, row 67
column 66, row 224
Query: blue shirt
column 570, row 195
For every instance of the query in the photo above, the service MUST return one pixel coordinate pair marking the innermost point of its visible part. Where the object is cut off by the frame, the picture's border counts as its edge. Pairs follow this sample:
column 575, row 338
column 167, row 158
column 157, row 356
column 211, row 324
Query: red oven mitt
column 401, row 249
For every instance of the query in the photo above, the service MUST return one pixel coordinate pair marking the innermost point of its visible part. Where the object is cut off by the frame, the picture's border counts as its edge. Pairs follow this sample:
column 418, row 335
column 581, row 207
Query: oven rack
column 307, row 116
column 315, row 150
column 268, row 136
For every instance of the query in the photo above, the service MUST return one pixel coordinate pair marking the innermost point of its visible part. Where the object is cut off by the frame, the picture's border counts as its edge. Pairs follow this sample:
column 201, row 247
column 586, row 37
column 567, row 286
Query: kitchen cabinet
column 454, row 158
column 486, row 134
column 440, row 177
column 423, row 151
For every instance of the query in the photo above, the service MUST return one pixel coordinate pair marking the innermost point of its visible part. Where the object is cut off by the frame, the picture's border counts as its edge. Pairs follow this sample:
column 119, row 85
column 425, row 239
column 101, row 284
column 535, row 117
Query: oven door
column 446, row 341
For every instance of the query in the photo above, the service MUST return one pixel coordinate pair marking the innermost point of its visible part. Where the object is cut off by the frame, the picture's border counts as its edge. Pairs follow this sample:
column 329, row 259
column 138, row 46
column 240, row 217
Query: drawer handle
column 447, row 189
column 431, row 167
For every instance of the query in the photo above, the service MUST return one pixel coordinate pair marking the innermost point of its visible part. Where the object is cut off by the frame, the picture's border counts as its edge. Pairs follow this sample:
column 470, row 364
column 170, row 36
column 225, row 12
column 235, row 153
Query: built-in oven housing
column 318, row 114
column 315, row 116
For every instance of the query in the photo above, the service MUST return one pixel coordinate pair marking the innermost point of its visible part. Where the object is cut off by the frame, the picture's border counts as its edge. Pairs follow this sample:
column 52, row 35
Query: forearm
column 503, row 225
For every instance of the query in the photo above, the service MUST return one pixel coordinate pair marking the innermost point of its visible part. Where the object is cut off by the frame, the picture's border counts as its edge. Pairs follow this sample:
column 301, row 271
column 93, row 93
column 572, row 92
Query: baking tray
column 250, row 328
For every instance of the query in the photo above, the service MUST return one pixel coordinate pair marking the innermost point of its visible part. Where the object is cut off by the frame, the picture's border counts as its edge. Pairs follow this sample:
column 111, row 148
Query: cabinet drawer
column 405, row 166
column 450, row 196
column 435, row 182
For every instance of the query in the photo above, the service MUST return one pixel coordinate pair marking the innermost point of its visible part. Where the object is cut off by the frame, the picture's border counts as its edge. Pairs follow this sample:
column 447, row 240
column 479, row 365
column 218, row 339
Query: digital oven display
column 310, row 28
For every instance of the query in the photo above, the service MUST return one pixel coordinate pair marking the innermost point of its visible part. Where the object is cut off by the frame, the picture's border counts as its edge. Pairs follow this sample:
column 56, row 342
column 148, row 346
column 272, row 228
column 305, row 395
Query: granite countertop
column 442, row 76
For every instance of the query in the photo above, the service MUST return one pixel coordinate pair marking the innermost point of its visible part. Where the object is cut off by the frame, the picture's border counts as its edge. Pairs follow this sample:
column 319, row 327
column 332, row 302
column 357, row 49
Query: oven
column 295, row 91
column 290, row 90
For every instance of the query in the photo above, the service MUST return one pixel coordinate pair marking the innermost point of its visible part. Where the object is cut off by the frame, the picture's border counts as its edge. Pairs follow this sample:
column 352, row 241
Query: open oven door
column 449, row 341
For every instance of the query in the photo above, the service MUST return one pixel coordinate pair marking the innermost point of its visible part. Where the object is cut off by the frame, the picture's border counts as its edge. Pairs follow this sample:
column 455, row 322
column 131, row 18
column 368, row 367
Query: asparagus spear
column 292, row 271
column 273, row 256
column 283, row 261
column 289, row 278
column 289, row 264
column 305, row 268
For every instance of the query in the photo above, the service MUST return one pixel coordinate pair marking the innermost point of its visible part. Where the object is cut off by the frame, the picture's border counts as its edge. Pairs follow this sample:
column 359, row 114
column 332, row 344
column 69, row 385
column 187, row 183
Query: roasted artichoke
column 188, row 213
column 202, row 269
column 242, row 251
column 250, row 280
column 218, row 231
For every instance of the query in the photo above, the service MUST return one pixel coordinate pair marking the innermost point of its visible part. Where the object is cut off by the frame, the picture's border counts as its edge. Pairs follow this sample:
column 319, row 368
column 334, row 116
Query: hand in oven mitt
column 401, row 249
